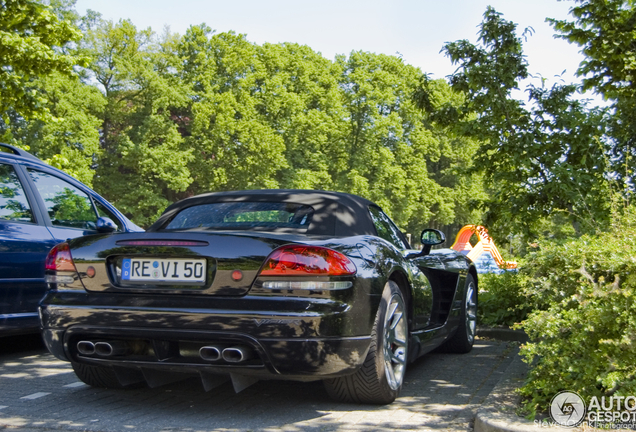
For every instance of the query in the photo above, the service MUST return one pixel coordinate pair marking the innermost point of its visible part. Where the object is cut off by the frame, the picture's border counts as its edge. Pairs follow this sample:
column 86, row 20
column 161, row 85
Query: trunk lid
column 215, row 263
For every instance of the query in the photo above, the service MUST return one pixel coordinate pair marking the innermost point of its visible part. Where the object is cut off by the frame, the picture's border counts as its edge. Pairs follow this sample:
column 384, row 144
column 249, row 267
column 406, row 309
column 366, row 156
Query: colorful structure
column 484, row 252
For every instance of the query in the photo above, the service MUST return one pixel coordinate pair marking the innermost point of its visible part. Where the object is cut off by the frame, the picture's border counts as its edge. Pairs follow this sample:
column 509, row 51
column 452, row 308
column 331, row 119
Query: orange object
column 484, row 245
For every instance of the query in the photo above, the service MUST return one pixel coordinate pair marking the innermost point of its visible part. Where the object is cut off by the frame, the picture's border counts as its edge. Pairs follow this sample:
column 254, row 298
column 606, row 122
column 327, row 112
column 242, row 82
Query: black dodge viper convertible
column 263, row 284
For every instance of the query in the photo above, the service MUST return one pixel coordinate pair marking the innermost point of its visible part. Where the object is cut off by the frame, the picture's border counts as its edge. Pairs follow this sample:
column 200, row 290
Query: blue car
column 40, row 206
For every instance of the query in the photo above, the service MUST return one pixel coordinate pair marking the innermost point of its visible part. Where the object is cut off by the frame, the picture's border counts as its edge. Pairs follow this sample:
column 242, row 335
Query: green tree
column 542, row 158
column 67, row 138
column 387, row 143
column 142, row 162
column 234, row 147
column 69, row 206
column 155, row 119
column 299, row 96
column 606, row 30
column 452, row 164
column 70, row 140
column 281, row 115
column 31, row 38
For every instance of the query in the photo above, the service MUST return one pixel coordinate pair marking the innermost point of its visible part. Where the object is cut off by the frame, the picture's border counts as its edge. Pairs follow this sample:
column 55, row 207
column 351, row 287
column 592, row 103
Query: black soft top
column 335, row 213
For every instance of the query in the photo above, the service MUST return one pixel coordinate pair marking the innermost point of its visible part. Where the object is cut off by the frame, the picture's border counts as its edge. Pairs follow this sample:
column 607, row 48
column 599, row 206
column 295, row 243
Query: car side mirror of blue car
column 106, row 225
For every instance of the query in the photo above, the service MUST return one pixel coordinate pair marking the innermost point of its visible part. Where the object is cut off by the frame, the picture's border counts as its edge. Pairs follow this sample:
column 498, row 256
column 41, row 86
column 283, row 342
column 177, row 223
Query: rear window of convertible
column 242, row 216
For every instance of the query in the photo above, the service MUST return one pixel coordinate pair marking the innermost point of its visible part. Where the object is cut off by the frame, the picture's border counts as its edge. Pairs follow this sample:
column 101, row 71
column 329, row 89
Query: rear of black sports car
column 257, row 305
column 255, row 285
column 222, row 287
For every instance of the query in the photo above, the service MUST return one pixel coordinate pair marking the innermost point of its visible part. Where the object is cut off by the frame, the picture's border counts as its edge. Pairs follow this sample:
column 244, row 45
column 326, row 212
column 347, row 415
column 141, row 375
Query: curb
column 503, row 333
column 498, row 412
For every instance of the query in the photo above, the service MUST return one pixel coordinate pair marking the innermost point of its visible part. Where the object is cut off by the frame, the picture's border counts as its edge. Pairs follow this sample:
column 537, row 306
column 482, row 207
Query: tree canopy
column 156, row 118
column 540, row 157
column 148, row 119
column 605, row 30
column 31, row 38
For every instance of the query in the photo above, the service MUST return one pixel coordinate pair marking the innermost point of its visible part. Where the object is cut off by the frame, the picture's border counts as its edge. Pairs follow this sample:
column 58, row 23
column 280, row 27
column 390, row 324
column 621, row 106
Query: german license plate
column 164, row 271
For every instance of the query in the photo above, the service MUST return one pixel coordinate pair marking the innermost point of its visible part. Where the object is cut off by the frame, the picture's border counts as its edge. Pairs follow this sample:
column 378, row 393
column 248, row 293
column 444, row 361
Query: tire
column 379, row 379
column 464, row 338
column 97, row 376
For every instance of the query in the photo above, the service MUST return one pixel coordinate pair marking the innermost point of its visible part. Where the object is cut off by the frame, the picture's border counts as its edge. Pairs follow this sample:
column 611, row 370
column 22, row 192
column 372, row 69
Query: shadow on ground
column 441, row 392
column 21, row 344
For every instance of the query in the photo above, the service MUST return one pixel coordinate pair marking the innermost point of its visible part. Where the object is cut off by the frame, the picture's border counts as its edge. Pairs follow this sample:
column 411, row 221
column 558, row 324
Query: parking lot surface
column 441, row 393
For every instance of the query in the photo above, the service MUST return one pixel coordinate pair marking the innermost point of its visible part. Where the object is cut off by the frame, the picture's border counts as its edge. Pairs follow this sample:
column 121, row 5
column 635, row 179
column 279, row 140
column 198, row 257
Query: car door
column 72, row 211
column 24, row 244
column 422, row 291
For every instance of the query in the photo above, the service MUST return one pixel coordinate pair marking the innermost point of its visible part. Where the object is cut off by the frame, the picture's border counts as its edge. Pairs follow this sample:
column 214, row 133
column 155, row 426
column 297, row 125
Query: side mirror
column 431, row 237
column 106, row 225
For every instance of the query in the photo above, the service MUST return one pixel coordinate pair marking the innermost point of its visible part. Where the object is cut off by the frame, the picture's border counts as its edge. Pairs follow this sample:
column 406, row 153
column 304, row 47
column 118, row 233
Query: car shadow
column 441, row 392
column 21, row 344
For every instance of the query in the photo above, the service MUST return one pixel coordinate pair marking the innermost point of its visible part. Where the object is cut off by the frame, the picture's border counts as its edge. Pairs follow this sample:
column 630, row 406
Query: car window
column 243, row 216
column 13, row 201
column 102, row 211
column 386, row 228
column 66, row 205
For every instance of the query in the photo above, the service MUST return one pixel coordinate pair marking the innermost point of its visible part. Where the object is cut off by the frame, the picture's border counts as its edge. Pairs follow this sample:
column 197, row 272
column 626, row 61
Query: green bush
column 502, row 299
column 583, row 328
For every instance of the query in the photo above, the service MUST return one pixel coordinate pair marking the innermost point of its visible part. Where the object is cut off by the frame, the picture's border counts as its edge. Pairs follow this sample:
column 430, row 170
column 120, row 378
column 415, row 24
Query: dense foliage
column 541, row 157
column 503, row 300
column 583, row 327
column 154, row 119
column 552, row 159
column 576, row 300
column 605, row 30
column 31, row 36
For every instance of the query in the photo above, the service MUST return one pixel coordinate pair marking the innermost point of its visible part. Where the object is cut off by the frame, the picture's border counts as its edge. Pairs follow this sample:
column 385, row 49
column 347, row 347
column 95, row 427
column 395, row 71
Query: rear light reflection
column 60, row 259
column 59, row 279
column 313, row 286
column 296, row 260
column 60, row 266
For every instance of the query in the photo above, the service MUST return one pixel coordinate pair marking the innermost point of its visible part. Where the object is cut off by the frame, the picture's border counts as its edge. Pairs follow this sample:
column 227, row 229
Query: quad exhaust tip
column 211, row 353
column 86, row 347
column 112, row 348
column 102, row 349
column 237, row 354
column 234, row 354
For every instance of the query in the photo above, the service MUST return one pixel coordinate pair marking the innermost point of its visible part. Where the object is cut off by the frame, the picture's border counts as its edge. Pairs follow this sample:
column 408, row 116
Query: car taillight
column 59, row 266
column 294, row 260
column 60, row 259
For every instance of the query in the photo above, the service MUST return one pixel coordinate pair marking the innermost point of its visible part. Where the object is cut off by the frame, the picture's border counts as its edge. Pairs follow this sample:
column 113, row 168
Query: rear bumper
column 281, row 358
column 319, row 340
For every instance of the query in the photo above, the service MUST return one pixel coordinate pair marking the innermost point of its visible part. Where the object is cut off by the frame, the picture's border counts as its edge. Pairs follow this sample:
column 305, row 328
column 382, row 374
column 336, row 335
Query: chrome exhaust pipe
column 237, row 354
column 86, row 348
column 210, row 353
column 112, row 348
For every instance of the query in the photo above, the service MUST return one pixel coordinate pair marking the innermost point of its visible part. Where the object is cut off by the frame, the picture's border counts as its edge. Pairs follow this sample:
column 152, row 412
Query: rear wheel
column 96, row 376
column 464, row 338
column 380, row 378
